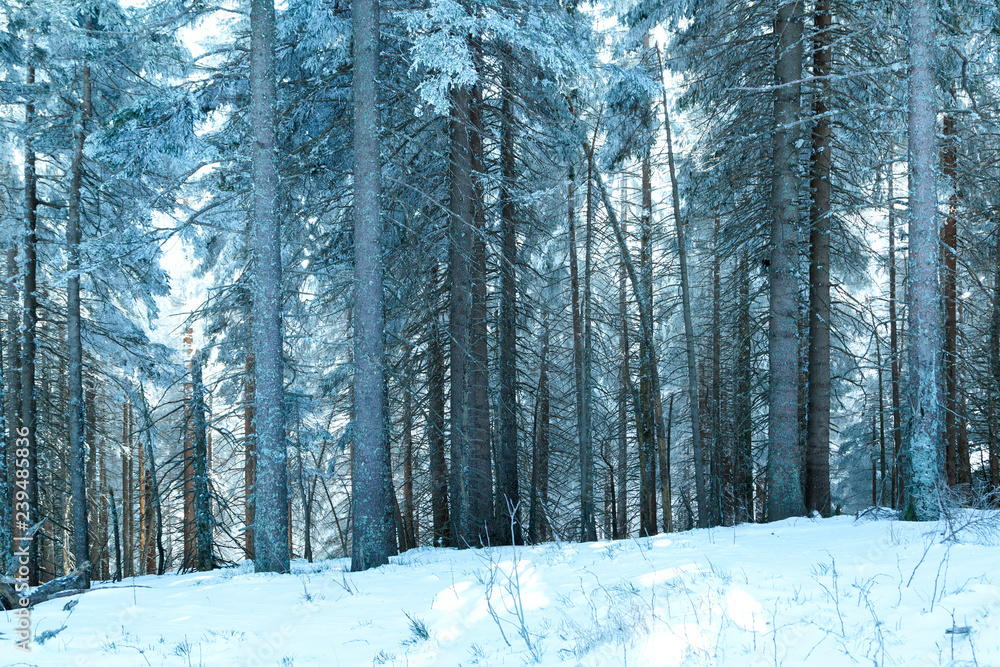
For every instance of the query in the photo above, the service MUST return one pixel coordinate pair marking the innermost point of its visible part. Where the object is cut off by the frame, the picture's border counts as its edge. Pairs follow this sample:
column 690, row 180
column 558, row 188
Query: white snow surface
column 811, row 592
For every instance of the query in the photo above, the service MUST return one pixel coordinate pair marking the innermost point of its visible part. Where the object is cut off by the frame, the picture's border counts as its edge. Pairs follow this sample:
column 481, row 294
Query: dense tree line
column 349, row 278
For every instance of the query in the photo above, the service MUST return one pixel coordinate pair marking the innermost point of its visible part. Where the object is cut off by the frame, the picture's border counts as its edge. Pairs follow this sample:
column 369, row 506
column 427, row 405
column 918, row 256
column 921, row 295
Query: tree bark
column 460, row 257
column 153, row 486
column 202, row 497
column 647, row 424
column 578, row 352
column 949, row 235
column 187, row 472
column 743, row 464
column 127, row 516
column 119, row 570
column 30, row 322
column 994, row 394
column 508, row 494
column 271, row 527
column 924, row 292
column 720, row 474
column 663, row 445
column 435, row 428
column 588, row 525
column 12, row 399
column 957, row 463
column 624, row 382
column 482, row 517
column 374, row 538
column 817, row 488
column 74, row 340
column 537, row 519
column 409, row 522
column 784, row 488
column 92, row 480
column 689, row 340
column 897, row 430
column 249, row 456
column 7, row 446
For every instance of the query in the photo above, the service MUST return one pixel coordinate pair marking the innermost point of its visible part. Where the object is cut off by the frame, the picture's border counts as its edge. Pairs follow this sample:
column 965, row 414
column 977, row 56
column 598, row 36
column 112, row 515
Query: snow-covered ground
column 798, row 592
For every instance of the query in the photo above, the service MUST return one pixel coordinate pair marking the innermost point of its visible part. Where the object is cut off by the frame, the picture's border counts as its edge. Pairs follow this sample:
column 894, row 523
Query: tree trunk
column 11, row 408
column 187, row 471
column 624, row 381
column 127, row 452
column 994, row 394
column 153, row 486
column 119, row 570
column 435, row 429
column 784, row 488
column 646, row 429
column 374, row 539
column 409, row 523
column 924, row 474
column 144, row 513
column 74, row 340
column 508, row 494
column 249, row 456
column 92, row 480
column 461, row 212
column 817, row 487
column 881, row 414
column 537, row 519
column 202, row 497
column 588, row 526
column 664, row 461
column 692, row 363
column 7, row 446
column 102, row 526
column 949, row 236
column 271, row 527
column 482, row 517
column 578, row 351
column 719, row 451
column 30, row 322
column 743, row 464
column 897, row 430
column 647, row 350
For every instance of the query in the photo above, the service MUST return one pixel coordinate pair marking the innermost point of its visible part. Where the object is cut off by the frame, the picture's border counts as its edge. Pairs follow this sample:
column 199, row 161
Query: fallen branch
column 69, row 584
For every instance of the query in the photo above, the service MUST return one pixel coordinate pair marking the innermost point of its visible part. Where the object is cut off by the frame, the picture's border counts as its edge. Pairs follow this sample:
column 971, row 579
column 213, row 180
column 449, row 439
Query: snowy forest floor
column 836, row 591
